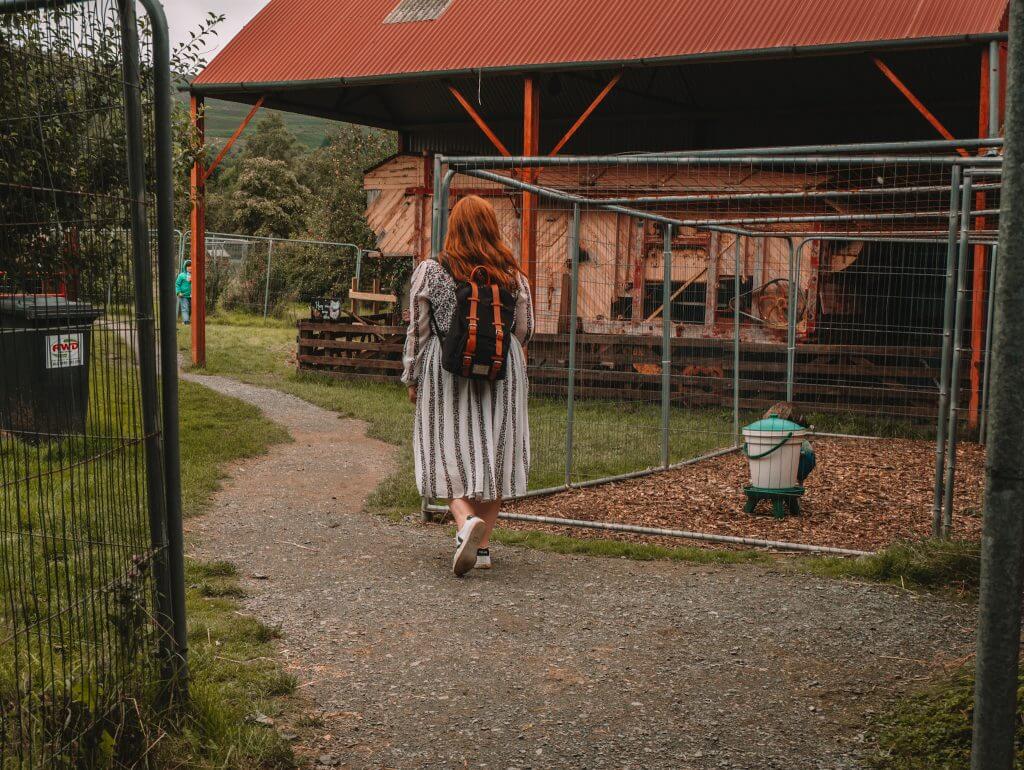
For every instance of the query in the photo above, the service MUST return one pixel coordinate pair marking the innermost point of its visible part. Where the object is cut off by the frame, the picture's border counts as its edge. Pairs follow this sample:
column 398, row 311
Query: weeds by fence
column 91, row 626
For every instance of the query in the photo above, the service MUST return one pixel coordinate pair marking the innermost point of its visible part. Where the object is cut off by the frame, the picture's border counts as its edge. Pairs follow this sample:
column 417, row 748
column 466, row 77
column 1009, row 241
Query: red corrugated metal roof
column 303, row 40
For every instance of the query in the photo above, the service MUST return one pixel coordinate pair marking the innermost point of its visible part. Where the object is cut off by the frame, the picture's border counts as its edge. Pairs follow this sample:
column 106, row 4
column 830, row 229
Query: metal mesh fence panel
column 84, row 621
column 273, row 277
column 681, row 297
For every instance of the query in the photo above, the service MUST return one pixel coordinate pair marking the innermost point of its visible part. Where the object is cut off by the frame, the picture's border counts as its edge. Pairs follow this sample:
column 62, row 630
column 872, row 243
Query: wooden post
column 197, row 193
column 531, row 147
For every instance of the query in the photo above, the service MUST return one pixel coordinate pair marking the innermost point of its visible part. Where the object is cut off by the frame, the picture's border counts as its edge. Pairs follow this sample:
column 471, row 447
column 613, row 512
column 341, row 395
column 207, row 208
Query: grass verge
column 234, row 675
column 931, row 729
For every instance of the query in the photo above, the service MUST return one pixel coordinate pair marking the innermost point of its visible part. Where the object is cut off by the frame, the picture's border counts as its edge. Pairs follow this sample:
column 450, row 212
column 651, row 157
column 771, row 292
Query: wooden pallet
column 361, row 351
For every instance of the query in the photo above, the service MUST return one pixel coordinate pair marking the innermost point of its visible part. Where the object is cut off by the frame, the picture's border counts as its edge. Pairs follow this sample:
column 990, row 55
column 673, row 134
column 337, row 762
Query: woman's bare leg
column 488, row 511
column 461, row 509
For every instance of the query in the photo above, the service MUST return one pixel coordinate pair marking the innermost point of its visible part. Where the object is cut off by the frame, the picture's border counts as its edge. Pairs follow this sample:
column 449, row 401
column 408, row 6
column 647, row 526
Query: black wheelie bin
column 44, row 366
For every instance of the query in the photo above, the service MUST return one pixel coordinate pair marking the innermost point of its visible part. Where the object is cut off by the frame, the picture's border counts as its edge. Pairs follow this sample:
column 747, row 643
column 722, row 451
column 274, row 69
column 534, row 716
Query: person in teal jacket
column 183, row 288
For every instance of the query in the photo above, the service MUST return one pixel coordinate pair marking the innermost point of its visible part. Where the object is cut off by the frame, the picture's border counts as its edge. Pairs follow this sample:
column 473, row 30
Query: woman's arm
column 419, row 330
column 524, row 312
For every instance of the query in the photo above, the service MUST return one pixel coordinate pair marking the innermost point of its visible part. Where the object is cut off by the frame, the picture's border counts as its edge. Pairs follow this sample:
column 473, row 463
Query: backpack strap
column 499, row 333
column 467, row 354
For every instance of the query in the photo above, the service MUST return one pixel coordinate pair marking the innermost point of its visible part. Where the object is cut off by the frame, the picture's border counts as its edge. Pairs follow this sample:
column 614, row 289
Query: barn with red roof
column 588, row 77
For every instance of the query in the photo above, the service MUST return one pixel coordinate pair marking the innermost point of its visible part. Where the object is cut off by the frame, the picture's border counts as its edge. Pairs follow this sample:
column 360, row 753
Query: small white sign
column 64, row 350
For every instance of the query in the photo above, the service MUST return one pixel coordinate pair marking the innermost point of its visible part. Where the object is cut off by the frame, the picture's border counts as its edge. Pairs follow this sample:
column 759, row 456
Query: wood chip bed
column 863, row 494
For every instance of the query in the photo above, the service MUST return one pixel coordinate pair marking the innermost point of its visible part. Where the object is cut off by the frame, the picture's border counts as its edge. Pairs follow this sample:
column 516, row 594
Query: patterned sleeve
column 524, row 313
column 419, row 331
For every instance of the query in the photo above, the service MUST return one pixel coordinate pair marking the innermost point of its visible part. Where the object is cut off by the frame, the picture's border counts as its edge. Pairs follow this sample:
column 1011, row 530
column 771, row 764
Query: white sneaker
column 483, row 558
column 467, row 543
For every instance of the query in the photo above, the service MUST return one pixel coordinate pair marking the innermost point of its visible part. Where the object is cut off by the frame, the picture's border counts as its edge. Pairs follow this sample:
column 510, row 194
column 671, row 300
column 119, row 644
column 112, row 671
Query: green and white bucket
column 772, row 447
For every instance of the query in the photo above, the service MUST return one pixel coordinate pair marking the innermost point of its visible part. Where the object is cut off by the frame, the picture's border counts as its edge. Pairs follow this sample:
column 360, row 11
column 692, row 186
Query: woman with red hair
column 471, row 437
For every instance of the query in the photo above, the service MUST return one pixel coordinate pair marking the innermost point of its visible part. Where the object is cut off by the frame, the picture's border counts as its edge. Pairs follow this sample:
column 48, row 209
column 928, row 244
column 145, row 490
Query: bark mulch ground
column 863, row 495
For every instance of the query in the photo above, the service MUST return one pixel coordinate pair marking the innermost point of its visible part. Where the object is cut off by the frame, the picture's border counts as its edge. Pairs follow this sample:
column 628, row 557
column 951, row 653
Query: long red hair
column 474, row 243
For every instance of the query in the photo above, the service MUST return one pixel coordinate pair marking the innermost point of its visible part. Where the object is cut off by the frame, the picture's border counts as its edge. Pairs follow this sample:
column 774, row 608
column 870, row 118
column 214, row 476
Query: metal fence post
column 1002, row 542
column 570, row 414
column 957, row 345
column 947, row 349
column 435, row 209
column 792, row 300
column 736, row 345
column 266, row 287
column 986, row 360
column 442, row 209
column 442, row 186
column 167, row 271
column 666, row 346
column 145, row 342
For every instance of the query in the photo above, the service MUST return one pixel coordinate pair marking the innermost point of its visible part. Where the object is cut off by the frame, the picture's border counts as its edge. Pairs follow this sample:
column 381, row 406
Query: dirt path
column 548, row 661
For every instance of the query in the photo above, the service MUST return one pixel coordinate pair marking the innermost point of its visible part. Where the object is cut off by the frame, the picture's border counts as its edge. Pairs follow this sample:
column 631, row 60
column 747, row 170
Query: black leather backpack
column 476, row 345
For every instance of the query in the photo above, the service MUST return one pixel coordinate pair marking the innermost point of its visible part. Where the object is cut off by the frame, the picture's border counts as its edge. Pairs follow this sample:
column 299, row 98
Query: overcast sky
column 185, row 15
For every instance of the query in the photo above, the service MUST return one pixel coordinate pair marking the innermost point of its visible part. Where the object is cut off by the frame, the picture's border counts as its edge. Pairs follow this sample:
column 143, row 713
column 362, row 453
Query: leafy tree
column 269, row 137
column 268, row 199
column 335, row 173
column 187, row 59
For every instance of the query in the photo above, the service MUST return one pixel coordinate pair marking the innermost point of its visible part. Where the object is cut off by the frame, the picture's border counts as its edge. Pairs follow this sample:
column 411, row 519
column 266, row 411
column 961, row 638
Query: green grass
column 235, row 678
column 618, row 549
column 931, row 729
column 928, row 564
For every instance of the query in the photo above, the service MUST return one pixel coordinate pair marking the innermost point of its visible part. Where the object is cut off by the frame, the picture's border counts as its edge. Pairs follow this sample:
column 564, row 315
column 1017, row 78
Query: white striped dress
column 471, row 438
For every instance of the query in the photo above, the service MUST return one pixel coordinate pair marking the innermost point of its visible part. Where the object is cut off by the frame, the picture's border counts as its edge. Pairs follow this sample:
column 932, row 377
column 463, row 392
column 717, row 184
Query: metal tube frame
column 266, row 285
column 957, row 349
column 145, row 339
column 455, row 166
column 666, row 345
column 709, row 224
column 570, row 416
column 996, row 720
column 465, row 162
column 993, row 267
column 736, row 344
column 177, row 689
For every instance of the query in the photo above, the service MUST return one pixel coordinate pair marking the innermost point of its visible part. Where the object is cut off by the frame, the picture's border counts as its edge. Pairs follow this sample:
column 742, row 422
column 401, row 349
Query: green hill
column 222, row 118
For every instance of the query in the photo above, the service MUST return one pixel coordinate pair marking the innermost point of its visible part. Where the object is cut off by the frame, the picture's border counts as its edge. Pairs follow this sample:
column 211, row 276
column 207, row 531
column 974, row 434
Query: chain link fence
column 273, row 277
column 680, row 297
column 92, row 614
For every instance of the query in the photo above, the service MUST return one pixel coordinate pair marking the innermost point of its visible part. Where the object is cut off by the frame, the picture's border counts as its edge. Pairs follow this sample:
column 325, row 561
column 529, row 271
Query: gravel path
column 548, row 661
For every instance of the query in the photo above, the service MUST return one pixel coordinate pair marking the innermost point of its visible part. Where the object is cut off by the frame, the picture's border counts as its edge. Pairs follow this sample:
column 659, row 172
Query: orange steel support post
column 979, row 284
column 531, row 147
column 586, row 114
column 480, row 122
column 917, row 103
column 197, row 192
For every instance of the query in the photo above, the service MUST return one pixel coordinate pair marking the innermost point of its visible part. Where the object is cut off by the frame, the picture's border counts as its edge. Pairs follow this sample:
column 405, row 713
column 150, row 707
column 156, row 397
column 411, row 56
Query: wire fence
column 92, row 614
column 273, row 277
column 680, row 297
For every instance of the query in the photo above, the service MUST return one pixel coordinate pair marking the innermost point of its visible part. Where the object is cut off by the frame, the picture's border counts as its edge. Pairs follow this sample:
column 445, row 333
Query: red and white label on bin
column 63, row 350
